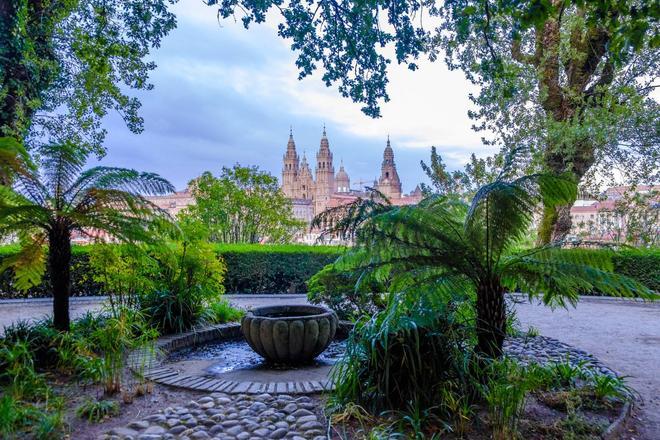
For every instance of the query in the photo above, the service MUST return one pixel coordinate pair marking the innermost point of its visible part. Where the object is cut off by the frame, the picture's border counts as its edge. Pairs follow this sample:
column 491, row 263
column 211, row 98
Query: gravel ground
column 624, row 335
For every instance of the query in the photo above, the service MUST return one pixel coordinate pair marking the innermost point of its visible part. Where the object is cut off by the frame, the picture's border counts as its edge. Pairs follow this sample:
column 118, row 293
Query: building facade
column 314, row 193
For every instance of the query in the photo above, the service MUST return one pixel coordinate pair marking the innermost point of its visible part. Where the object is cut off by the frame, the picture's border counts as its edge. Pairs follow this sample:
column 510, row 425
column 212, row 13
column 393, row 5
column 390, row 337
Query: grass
column 97, row 410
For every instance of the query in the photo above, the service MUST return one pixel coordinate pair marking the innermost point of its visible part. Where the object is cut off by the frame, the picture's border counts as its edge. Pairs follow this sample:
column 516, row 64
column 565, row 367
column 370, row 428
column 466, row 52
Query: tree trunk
column 59, row 267
column 491, row 319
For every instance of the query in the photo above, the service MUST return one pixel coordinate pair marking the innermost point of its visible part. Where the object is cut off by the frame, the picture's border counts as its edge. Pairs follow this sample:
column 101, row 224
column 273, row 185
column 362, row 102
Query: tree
column 464, row 183
column 443, row 245
column 570, row 79
column 242, row 205
column 65, row 63
column 47, row 205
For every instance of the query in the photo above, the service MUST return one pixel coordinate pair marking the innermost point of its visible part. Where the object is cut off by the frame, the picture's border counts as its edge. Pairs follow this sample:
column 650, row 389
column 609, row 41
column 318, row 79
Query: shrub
column 273, row 269
column 402, row 357
column 338, row 290
column 641, row 265
column 251, row 268
column 220, row 312
column 97, row 410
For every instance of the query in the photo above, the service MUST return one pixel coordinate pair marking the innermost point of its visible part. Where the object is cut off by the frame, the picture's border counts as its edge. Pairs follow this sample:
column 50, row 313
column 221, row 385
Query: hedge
column 250, row 269
column 286, row 269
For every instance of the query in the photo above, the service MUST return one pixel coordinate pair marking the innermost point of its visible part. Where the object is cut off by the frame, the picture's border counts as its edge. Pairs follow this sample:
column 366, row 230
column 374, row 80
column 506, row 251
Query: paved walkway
column 624, row 334
column 33, row 309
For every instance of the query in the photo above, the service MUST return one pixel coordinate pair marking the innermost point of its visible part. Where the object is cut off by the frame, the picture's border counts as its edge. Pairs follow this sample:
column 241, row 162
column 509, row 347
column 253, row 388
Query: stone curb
column 615, row 429
column 149, row 364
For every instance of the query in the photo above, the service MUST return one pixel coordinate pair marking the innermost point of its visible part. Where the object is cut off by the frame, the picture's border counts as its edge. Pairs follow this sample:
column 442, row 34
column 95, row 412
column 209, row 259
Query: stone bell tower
column 290, row 169
column 325, row 175
column 389, row 183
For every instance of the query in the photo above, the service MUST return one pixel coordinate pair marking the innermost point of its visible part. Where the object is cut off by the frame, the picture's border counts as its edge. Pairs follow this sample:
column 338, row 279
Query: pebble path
column 281, row 416
column 229, row 417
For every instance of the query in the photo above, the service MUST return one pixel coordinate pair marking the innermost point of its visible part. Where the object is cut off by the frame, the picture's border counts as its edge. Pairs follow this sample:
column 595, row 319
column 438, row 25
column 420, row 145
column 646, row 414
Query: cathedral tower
column 290, row 169
column 342, row 181
column 325, row 175
column 389, row 183
column 305, row 180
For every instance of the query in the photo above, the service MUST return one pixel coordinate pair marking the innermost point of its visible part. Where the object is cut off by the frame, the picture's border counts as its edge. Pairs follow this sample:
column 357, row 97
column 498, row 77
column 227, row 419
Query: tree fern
column 47, row 203
column 443, row 244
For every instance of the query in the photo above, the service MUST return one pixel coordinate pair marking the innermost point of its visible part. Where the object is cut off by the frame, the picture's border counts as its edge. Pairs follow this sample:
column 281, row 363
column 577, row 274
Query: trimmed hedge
column 642, row 265
column 287, row 268
column 250, row 269
column 273, row 269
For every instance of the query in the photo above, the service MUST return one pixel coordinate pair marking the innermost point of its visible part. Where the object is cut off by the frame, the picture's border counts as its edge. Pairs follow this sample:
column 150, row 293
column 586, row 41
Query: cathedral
column 312, row 194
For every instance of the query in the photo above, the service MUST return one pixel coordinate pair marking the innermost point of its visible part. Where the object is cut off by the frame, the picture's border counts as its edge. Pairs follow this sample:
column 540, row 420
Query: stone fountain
column 289, row 334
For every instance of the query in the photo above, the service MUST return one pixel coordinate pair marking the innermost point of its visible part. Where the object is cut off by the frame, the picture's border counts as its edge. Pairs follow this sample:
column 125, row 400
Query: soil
column 539, row 421
column 81, row 429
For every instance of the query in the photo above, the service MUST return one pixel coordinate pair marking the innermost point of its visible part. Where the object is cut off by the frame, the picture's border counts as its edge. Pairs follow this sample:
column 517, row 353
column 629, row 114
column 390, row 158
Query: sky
column 223, row 94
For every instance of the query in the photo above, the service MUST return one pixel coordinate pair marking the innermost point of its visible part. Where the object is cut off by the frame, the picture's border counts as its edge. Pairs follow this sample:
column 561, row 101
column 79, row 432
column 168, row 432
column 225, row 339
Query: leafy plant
column 120, row 335
column 505, row 396
column 566, row 373
column 400, row 356
column 50, row 205
column 444, row 244
column 220, row 312
column 606, row 387
column 337, row 290
column 190, row 278
column 97, row 410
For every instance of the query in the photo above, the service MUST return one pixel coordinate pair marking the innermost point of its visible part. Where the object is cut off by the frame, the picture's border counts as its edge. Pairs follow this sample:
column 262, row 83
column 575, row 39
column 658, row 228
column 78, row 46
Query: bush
column 400, row 358
column 337, row 290
column 641, row 265
column 251, row 268
column 273, row 269
column 221, row 312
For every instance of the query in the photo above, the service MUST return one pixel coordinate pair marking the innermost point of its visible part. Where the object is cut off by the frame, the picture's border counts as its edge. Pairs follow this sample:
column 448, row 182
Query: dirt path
column 625, row 335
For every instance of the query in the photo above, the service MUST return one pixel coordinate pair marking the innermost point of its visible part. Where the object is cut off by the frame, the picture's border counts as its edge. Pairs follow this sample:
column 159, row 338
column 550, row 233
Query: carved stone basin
column 289, row 334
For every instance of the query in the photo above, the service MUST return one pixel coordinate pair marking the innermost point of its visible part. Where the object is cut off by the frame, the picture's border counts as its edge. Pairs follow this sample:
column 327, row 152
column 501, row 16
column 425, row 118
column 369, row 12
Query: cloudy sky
column 224, row 94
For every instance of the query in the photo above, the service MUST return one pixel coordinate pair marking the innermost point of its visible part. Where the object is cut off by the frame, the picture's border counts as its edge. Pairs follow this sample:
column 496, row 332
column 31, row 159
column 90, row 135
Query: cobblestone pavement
column 224, row 417
column 623, row 334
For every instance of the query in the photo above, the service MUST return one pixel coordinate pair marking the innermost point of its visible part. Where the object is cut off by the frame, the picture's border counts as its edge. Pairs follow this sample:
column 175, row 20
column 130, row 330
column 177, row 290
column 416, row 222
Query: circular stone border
column 149, row 363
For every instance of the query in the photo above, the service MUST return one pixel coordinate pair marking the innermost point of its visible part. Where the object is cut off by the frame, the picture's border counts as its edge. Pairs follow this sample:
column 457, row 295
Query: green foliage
column 220, row 312
column 606, row 387
column 397, row 358
column 274, row 269
column 65, row 64
column 505, row 397
column 190, row 277
column 640, row 265
column 337, row 290
column 49, row 205
column 123, row 272
column 114, row 341
column 443, row 243
column 251, row 268
column 97, row 410
column 242, row 205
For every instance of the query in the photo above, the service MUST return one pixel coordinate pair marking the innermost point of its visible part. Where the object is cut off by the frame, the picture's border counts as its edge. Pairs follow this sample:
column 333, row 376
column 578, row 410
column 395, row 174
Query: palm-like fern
column 442, row 243
column 47, row 205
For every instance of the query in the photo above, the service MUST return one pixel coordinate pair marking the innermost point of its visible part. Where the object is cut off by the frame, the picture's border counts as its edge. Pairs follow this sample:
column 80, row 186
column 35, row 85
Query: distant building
column 312, row 194
column 603, row 218
column 173, row 203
